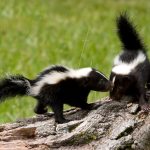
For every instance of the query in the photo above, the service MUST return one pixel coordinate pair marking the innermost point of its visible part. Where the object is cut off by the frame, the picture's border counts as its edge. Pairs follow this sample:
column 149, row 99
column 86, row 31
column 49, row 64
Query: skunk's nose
column 109, row 86
column 115, row 97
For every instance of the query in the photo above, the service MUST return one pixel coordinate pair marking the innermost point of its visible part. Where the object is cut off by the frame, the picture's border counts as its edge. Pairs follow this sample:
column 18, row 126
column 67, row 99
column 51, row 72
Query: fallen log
column 111, row 126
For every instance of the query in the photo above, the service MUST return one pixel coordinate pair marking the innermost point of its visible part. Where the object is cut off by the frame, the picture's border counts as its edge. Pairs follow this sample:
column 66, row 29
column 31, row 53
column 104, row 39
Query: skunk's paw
column 146, row 107
column 63, row 120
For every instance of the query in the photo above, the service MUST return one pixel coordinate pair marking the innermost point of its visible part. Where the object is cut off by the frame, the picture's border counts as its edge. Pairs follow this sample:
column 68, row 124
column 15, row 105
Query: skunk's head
column 121, row 84
column 97, row 81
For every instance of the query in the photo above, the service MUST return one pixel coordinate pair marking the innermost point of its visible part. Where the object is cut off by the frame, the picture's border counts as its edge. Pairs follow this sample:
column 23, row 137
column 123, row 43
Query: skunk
column 55, row 86
column 131, row 67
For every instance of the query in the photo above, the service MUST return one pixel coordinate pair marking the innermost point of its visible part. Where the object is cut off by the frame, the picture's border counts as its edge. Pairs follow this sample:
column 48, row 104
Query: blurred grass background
column 76, row 33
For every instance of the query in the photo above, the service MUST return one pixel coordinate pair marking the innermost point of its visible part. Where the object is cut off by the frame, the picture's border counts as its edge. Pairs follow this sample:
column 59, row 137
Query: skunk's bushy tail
column 12, row 86
column 128, row 34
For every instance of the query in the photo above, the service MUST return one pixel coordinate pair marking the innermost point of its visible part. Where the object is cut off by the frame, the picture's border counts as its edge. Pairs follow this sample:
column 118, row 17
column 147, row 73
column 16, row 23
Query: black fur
column 132, row 84
column 72, row 91
column 53, row 68
column 10, row 88
column 128, row 35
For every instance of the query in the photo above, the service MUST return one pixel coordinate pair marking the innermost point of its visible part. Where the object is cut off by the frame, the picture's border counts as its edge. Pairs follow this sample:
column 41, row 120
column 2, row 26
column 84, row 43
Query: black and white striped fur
column 131, row 67
column 55, row 86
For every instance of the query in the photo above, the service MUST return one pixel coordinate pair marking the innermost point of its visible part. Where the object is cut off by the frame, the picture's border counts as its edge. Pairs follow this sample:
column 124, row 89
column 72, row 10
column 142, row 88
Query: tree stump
column 111, row 126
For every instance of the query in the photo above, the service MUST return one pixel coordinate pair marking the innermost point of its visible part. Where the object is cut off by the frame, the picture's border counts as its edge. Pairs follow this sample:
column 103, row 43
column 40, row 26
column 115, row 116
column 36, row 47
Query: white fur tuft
column 113, row 80
column 125, row 68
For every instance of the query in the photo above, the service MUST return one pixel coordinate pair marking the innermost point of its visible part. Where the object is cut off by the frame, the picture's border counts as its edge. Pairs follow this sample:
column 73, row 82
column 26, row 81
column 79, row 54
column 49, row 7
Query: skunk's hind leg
column 40, row 108
column 57, row 108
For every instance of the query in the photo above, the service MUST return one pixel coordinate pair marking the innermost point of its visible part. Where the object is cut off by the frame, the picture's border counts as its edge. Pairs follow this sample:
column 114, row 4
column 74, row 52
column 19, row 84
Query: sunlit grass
column 76, row 33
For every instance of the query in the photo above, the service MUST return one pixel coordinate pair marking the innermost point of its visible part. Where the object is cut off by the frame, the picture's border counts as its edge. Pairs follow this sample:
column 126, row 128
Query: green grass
column 77, row 33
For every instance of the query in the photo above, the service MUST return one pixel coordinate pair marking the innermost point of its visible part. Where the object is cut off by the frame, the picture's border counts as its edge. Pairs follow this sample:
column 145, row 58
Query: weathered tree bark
column 112, row 126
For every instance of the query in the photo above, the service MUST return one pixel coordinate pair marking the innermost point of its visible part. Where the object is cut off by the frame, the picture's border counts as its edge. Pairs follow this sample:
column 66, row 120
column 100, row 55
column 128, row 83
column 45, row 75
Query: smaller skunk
column 131, row 68
column 55, row 86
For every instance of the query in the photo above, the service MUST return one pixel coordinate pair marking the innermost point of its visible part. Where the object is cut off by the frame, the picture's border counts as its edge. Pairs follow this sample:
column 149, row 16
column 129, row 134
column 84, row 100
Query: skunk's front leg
column 57, row 108
column 142, row 101
column 144, row 105
column 40, row 108
column 147, row 94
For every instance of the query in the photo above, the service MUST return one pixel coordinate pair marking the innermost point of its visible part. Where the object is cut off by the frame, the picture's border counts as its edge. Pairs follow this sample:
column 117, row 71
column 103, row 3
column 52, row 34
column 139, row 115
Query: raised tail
column 12, row 86
column 128, row 34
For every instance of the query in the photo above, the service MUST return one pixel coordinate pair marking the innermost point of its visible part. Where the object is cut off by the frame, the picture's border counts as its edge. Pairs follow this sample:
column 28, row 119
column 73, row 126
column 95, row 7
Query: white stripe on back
column 125, row 68
column 55, row 77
